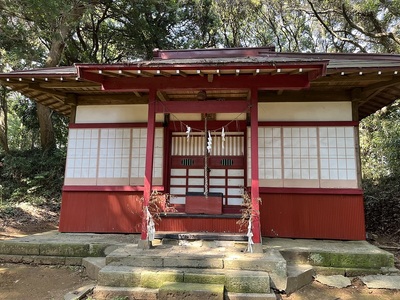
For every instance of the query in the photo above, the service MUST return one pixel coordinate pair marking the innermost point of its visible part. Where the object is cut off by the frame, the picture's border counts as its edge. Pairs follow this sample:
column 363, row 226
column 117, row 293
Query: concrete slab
column 156, row 278
column 270, row 261
column 204, row 276
column 239, row 281
column 297, row 277
column 337, row 281
column 329, row 253
column 93, row 265
column 381, row 282
column 112, row 293
column 253, row 296
column 191, row 291
column 120, row 276
column 54, row 243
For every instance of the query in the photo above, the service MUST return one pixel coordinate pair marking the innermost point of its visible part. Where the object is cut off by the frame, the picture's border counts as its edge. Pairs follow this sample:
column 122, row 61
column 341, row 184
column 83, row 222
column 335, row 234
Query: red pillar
column 148, row 173
column 255, row 193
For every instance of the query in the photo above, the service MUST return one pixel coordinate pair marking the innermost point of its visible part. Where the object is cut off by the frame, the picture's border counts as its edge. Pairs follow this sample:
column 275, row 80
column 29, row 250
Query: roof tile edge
column 211, row 53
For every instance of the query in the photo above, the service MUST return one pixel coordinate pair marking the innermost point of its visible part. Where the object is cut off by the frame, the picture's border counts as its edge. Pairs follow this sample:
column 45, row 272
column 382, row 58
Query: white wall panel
column 305, row 111
column 135, row 113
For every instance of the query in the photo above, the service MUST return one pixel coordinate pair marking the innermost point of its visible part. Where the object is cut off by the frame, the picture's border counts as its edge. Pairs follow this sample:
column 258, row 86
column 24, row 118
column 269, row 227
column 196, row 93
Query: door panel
column 226, row 165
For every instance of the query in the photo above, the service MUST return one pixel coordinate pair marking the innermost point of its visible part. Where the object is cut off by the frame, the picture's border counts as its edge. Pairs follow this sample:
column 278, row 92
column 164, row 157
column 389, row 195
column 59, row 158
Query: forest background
column 49, row 33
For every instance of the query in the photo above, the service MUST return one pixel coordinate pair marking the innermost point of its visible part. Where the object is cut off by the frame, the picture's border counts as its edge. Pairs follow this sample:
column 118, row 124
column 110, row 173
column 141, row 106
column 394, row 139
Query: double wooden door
column 221, row 171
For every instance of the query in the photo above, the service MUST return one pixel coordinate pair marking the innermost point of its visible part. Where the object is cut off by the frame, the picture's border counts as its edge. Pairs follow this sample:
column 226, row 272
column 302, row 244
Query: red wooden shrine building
column 285, row 125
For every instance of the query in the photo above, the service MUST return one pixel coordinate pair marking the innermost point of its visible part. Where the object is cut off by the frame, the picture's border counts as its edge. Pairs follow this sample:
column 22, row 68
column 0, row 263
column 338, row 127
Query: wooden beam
column 261, row 82
column 255, row 191
column 148, row 173
column 211, row 106
column 36, row 87
column 68, row 85
column 162, row 96
column 163, row 73
column 199, row 72
column 371, row 91
column 180, row 72
column 144, row 73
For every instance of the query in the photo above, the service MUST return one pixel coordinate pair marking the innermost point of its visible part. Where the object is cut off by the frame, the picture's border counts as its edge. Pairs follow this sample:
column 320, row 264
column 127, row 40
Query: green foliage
column 380, row 158
column 380, row 143
column 30, row 176
column 382, row 205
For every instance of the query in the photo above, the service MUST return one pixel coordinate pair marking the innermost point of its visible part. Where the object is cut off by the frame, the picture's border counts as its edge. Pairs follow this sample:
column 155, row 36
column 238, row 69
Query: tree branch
column 316, row 14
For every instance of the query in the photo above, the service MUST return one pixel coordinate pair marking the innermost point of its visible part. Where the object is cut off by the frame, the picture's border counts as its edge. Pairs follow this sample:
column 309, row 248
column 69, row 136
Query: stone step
column 237, row 281
column 93, row 265
column 345, row 255
column 209, row 236
column 252, row 296
column 198, row 257
column 190, row 291
column 139, row 293
column 112, row 293
column 298, row 276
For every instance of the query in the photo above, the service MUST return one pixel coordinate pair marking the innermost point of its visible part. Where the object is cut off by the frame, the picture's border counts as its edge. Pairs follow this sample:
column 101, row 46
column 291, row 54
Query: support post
column 144, row 242
column 255, row 192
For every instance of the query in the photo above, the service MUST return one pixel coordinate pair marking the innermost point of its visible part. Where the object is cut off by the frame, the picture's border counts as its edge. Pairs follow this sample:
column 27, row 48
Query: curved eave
column 372, row 83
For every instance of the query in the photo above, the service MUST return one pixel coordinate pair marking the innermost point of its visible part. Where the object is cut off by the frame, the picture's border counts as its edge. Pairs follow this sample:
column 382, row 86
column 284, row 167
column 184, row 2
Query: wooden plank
column 100, row 211
column 199, row 204
column 256, row 227
column 321, row 216
column 148, row 172
column 283, row 81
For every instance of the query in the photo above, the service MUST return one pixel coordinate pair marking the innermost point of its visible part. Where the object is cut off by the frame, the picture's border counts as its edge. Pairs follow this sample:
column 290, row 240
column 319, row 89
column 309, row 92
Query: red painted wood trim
column 236, row 126
column 211, row 106
column 216, row 224
column 311, row 123
column 311, row 191
column 256, row 227
column 98, row 188
column 166, row 158
column 262, row 82
column 148, row 171
column 83, row 69
column 113, row 125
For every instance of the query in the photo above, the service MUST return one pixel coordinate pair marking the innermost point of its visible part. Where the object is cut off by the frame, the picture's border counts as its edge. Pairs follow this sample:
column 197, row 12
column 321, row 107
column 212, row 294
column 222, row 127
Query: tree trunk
column 47, row 136
column 68, row 21
column 3, row 120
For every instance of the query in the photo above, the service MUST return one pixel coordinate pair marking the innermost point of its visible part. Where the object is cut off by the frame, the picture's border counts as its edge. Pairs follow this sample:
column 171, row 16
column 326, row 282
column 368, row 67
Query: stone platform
column 180, row 263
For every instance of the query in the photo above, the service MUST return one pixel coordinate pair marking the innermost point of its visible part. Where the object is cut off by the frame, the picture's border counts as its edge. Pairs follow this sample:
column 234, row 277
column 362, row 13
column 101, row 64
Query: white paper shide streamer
column 151, row 230
column 188, row 130
column 223, row 137
column 249, row 237
column 209, row 142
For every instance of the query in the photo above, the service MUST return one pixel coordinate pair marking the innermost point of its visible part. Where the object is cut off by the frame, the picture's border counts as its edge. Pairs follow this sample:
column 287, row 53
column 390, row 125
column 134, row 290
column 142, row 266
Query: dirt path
column 22, row 282
column 357, row 291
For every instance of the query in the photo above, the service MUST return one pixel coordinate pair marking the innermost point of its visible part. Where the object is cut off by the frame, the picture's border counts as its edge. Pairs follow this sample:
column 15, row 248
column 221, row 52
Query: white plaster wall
column 231, row 116
column 305, row 111
column 130, row 113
